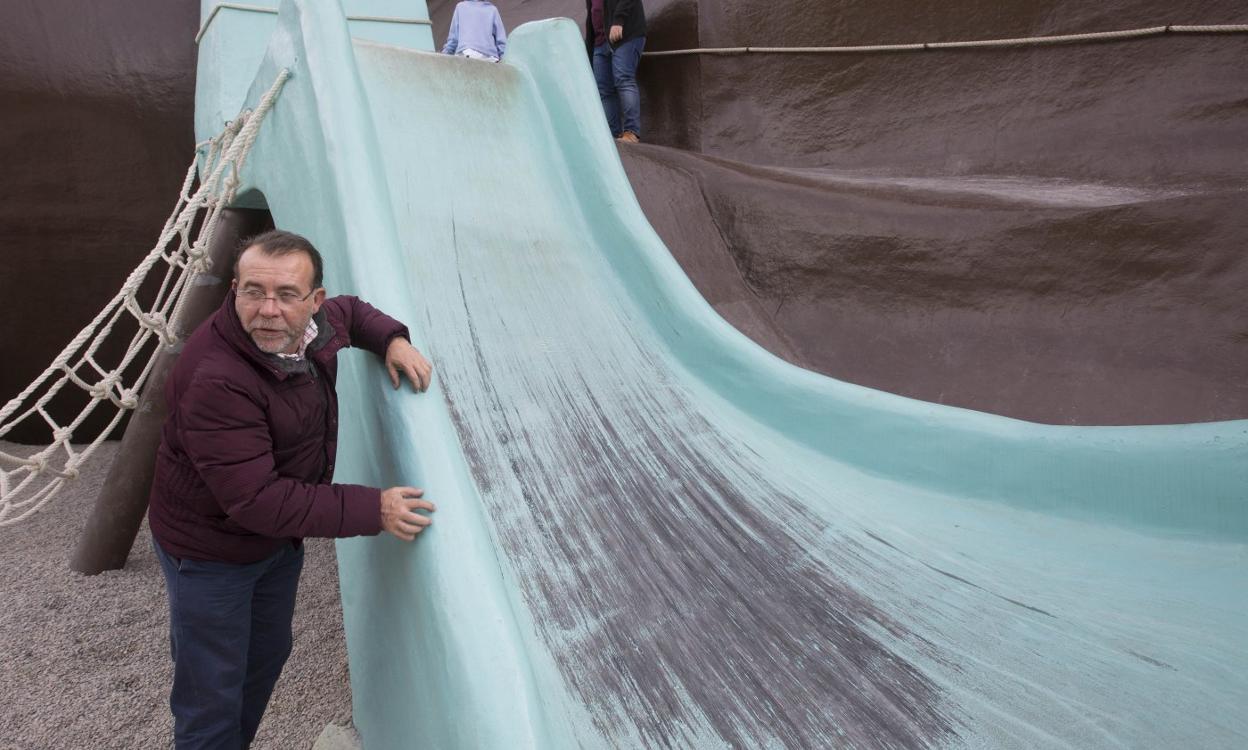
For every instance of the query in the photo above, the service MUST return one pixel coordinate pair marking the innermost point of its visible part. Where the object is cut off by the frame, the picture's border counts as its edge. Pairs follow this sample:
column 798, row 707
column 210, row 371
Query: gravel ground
column 84, row 661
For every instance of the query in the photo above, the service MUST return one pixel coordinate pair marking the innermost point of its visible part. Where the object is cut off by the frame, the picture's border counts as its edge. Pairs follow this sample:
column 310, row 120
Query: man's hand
column 401, row 356
column 616, row 34
column 398, row 512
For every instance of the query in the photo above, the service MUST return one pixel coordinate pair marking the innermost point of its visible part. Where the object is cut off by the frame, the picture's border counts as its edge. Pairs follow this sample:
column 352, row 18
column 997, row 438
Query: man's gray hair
column 277, row 242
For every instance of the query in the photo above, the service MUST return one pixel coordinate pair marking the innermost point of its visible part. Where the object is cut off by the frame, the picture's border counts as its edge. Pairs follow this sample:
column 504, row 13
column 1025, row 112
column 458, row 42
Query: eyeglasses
column 283, row 299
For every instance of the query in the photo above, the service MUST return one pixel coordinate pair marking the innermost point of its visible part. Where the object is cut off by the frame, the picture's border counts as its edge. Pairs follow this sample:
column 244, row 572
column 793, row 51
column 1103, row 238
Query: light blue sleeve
column 452, row 36
column 500, row 34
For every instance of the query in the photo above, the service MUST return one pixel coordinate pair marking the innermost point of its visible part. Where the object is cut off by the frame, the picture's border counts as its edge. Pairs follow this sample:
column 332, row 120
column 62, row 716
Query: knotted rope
column 27, row 484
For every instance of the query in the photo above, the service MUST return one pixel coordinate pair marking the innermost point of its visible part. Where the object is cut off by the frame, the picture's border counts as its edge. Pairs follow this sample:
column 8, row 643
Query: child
column 476, row 32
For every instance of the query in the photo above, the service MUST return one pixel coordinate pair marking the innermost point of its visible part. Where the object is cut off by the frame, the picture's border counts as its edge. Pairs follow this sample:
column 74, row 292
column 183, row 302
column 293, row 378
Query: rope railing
column 1032, row 41
column 77, row 365
column 203, row 29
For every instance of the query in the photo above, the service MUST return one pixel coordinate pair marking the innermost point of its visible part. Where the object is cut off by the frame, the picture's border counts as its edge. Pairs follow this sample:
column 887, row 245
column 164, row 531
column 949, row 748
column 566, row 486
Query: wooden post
column 109, row 535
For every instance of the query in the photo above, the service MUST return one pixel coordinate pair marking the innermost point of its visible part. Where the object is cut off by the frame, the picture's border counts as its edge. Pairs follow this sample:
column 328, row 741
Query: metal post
column 109, row 535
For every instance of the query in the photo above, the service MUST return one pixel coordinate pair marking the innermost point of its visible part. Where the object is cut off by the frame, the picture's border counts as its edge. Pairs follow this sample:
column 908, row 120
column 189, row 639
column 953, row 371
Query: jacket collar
column 230, row 328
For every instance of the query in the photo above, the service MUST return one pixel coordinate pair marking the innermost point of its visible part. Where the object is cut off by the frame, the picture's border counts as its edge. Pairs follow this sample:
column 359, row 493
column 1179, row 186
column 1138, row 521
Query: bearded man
column 244, row 472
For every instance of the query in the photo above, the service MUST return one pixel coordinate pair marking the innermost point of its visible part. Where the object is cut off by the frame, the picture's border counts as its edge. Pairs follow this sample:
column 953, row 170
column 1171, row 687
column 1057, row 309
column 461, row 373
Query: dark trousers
column 229, row 635
column 615, row 72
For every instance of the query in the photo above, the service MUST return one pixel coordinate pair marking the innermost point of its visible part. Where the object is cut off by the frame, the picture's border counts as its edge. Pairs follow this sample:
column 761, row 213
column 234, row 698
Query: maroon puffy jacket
column 247, row 452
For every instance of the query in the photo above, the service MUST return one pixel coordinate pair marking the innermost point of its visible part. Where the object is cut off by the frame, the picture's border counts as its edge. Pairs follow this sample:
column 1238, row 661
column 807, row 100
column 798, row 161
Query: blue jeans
column 229, row 635
column 615, row 71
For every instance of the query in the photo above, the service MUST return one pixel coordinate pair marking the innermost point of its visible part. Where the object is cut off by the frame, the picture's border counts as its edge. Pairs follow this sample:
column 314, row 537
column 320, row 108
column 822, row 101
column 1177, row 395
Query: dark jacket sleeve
column 366, row 326
column 225, row 433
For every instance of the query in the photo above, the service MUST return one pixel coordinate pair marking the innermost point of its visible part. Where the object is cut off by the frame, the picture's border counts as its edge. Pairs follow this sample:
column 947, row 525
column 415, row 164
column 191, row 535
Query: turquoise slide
column 651, row 532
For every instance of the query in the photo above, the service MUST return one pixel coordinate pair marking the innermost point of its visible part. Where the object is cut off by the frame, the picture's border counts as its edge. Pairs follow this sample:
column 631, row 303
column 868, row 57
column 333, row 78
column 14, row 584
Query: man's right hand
column 398, row 512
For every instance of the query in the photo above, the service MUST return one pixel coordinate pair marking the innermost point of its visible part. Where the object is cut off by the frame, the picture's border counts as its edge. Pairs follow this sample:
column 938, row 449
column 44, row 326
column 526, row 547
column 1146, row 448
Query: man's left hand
column 402, row 357
column 616, row 34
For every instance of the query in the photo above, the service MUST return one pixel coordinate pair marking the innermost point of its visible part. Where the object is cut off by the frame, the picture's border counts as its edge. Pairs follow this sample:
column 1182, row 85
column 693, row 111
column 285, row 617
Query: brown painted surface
column 1053, row 234
column 96, row 104
column 1045, row 300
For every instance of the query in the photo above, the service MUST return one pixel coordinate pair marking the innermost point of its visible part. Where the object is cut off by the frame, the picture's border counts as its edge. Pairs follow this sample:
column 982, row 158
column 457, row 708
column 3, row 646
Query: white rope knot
column 157, row 324
column 103, row 389
column 109, row 387
column 231, row 182
column 62, row 435
column 198, row 259
column 201, row 265
column 38, row 464
column 155, row 321
column 127, row 398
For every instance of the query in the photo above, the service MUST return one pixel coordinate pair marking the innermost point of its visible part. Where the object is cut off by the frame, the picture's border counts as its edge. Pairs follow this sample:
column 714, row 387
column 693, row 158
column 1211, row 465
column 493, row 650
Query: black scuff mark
column 1151, row 660
column 960, row 579
column 671, row 603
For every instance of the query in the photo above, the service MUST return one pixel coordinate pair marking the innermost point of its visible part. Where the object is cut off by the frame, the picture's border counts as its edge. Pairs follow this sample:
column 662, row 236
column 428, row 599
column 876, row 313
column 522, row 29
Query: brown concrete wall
column 1053, row 234
column 1053, row 303
column 96, row 105
column 1167, row 109
column 1029, row 295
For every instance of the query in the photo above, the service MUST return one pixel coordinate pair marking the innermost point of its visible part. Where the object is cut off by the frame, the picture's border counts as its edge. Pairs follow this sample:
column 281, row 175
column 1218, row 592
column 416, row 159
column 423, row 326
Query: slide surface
column 653, row 533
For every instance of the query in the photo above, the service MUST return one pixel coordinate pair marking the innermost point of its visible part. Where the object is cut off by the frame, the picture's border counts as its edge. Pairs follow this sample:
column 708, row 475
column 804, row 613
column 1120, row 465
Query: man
column 243, row 474
column 476, row 32
column 615, row 35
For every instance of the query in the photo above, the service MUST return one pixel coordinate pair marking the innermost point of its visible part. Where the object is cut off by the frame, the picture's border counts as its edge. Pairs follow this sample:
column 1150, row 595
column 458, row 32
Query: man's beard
column 273, row 340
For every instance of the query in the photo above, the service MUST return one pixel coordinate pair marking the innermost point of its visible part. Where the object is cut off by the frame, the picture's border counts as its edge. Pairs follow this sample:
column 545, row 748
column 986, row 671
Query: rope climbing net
column 180, row 254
